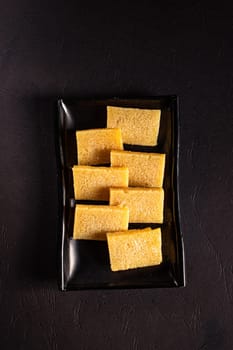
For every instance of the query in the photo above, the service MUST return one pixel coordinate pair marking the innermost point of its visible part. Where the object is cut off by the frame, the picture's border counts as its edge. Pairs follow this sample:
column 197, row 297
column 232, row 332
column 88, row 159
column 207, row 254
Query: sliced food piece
column 92, row 183
column 94, row 145
column 139, row 126
column 145, row 169
column 145, row 204
column 134, row 248
column 93, row 221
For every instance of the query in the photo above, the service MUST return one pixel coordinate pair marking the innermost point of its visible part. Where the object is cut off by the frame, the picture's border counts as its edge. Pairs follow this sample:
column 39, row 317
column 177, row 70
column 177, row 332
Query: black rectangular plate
column 85, row 264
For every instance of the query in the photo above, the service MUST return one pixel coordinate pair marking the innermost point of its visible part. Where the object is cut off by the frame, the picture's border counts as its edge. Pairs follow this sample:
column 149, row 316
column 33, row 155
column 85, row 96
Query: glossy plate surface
column 85, row 264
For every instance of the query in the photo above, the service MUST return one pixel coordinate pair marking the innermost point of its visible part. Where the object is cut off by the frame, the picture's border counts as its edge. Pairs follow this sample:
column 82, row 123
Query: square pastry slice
column 139, row 126
column 145, row 204
column 93, row 221
column 145, row 169
column 92, row 183
column 134, row 248
column 94, row 145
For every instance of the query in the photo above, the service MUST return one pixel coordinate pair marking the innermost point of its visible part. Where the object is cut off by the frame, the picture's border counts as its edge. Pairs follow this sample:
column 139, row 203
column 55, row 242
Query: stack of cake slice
column 131, row 183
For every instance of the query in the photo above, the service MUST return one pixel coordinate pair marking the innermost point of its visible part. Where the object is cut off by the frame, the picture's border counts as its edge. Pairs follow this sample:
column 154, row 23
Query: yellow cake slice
column 134, row 248
column 92, row 183
column 145, row 204
column 94, row 145
column 93, row 221
column 139, row 126
column 145, row 169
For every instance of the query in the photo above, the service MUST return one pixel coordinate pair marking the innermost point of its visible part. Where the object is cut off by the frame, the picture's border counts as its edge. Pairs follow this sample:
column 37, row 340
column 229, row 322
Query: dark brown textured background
column 98, row 49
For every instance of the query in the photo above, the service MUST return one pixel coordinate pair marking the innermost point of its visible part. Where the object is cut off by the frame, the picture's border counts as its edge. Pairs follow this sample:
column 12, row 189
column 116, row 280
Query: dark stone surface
column 83, row 49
